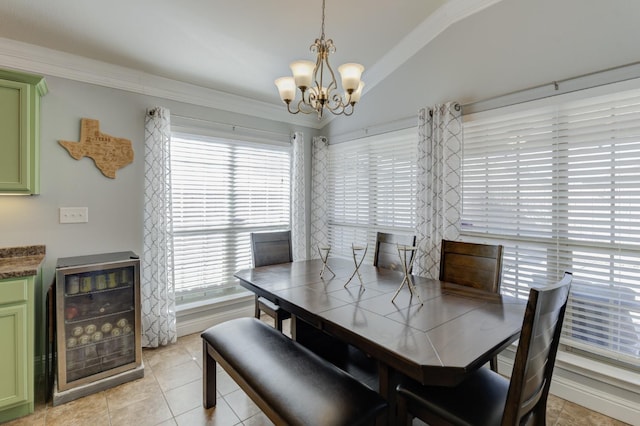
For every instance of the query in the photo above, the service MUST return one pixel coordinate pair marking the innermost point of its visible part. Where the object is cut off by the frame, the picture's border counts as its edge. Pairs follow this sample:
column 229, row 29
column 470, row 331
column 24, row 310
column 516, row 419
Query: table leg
column 388, row 380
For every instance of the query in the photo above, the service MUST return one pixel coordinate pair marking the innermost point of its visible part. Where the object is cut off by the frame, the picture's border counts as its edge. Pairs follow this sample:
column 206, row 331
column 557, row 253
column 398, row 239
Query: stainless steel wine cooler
column 97, row 323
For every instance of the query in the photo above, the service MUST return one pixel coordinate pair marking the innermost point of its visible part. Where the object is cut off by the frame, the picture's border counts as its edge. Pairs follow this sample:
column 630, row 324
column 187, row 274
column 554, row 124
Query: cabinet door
column 14, row 355
column 15, row 149
column 20, row 132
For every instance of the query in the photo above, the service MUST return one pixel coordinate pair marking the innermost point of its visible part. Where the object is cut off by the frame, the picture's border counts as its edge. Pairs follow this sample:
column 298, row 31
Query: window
column 371, row 188
column 557, row 183
column 223, row 190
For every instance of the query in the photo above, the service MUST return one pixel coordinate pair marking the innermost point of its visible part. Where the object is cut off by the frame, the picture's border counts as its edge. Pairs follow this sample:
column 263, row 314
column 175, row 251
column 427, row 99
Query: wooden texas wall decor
column 109, row 153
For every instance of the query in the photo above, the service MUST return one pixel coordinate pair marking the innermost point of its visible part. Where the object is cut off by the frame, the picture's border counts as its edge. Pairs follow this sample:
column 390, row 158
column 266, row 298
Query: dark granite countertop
column 21, row 261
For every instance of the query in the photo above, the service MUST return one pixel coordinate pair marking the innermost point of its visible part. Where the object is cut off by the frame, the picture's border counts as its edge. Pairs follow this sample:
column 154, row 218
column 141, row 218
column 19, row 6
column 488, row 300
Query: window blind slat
column 558, row 186
column 371, row 188
column 222, row 190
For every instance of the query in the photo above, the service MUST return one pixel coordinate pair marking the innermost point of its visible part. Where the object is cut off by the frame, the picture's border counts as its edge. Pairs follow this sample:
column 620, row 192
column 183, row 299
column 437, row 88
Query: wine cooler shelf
column 93, row 358
column 90, row 282
column 98, row 319
column 97, row 304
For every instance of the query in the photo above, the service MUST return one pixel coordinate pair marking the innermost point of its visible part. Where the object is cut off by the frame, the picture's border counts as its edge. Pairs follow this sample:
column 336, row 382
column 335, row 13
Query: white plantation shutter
column 223, row 190
column 559, row 186
column 371, row 187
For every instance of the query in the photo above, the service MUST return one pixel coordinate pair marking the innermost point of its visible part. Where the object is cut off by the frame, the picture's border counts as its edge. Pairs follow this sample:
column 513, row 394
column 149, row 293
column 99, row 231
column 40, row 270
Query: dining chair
column 271, row 248
column 472, row 265
column 386, row 254
column 487, row 398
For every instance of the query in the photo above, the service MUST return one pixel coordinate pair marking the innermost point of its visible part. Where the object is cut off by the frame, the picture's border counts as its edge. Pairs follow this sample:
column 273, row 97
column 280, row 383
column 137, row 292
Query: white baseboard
column 603, row 402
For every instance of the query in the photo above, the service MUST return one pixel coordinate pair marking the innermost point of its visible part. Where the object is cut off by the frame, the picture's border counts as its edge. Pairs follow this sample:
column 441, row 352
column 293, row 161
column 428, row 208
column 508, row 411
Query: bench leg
column 208, row 377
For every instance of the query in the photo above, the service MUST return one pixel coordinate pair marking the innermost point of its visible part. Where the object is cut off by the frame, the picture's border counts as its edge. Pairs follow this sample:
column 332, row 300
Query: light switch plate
column 74, row 214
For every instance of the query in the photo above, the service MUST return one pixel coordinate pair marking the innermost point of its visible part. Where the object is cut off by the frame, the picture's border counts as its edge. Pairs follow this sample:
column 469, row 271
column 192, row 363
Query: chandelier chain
column 322, row 34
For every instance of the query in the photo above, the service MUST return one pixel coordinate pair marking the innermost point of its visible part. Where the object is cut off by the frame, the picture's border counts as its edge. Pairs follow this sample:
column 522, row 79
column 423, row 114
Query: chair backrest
column 386, row 255
column 536, row 354
column 472, row 265
column 270, row 248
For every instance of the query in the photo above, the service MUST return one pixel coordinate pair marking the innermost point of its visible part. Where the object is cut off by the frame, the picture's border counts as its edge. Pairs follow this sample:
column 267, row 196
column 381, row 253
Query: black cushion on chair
column 486, row 389
column 272, row 309
column 268, row 304
column 300, row 386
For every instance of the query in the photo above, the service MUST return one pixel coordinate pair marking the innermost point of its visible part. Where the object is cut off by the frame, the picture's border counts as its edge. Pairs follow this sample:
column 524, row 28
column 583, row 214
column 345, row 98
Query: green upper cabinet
column 20, row 95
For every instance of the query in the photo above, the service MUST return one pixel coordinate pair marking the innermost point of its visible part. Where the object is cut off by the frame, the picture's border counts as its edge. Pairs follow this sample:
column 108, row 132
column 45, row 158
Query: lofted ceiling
column 237, row 47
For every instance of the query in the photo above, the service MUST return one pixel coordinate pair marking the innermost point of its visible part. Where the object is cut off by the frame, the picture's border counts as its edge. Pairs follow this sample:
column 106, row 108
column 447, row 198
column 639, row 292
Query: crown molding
column 37, row 59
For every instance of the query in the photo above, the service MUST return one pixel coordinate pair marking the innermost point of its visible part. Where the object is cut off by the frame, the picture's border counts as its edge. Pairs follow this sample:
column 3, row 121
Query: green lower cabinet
column 16, row 347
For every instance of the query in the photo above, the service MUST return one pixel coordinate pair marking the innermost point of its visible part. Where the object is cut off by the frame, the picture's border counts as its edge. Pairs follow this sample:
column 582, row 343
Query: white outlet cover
column 74, row 214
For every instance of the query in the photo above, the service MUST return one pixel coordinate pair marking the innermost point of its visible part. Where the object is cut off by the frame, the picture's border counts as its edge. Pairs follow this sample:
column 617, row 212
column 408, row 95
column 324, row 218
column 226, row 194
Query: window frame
column 557, row 255
column 371, row 161
column 240, row 253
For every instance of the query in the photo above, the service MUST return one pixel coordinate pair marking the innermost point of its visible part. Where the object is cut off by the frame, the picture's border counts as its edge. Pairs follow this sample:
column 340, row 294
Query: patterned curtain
column 157, row 287
column 298, row 225
column 439, row 197
column 319, row 227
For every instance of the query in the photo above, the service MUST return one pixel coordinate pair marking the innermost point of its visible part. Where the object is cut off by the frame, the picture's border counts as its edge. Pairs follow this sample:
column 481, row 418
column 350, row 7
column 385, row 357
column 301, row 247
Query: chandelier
column 309, row 77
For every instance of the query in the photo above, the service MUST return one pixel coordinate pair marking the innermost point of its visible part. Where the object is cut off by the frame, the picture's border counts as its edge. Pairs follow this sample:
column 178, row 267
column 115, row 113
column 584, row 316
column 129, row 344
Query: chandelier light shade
column 317, row 84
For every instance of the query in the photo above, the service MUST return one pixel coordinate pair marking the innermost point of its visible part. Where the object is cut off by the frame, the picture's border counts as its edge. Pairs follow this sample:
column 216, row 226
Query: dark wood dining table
column 438, row 342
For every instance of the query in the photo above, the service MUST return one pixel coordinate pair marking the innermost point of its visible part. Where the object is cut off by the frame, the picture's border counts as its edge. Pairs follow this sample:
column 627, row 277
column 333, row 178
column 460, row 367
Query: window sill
column 197, row 316
column 213, row 303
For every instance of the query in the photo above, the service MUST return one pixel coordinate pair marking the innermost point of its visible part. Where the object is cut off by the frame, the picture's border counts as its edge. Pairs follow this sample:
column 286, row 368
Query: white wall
column 510, row 46
column 115, row 205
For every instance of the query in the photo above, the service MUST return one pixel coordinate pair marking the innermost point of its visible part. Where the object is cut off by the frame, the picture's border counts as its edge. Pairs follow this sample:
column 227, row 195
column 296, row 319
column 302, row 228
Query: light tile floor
column 171, row 394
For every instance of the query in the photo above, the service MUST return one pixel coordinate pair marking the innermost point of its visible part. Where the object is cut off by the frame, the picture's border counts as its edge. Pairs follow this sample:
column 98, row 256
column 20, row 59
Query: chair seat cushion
column 479, row 400
column 270, row 307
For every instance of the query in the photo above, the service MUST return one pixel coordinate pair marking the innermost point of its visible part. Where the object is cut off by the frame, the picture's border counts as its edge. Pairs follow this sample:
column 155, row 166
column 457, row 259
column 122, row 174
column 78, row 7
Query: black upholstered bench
column 290, row 384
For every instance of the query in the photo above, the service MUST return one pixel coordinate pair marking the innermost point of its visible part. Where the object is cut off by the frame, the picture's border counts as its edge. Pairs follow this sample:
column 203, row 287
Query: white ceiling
column 239, row 47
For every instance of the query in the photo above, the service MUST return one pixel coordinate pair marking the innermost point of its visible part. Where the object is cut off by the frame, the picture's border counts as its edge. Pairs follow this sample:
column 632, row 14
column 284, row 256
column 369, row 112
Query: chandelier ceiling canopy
column 317, row 82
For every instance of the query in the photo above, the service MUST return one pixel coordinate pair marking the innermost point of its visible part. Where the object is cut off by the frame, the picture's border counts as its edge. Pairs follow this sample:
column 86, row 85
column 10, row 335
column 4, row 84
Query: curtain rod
column 585, row 81
column 381, row 129
column 233, row 127
column 558, row 87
